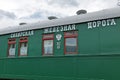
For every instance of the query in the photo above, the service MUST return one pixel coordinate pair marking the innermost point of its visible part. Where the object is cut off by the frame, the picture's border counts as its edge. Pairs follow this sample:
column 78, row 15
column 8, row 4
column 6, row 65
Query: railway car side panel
column 97, row 55
column 35, row 44
column 4, row 46
column 88, row 40
column 110, row 39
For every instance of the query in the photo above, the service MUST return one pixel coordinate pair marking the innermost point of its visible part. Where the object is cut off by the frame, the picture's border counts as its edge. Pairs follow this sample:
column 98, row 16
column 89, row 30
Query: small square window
column 48, row 44
column 23, row 48
column 70, row 42
column 11, row 47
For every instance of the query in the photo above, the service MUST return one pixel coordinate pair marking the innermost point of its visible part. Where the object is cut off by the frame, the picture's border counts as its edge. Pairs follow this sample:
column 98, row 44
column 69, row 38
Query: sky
column 13, row 12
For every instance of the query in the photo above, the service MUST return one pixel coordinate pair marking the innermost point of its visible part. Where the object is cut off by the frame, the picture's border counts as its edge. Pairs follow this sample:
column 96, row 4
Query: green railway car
column 81, row 47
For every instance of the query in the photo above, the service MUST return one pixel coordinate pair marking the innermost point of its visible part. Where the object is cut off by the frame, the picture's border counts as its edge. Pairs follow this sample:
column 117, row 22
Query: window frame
column 22, row 40
column 70, row 36
column 47, row 38
column 10, row 42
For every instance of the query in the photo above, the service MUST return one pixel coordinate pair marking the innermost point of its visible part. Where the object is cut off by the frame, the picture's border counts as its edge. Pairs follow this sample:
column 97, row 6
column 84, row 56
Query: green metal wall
column 98, row 57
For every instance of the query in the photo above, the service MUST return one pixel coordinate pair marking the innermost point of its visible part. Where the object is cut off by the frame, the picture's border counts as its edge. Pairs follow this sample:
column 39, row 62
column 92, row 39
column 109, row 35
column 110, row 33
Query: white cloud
column 6, row 22
column 15, row 11
column 63, row 3
column 6, row 14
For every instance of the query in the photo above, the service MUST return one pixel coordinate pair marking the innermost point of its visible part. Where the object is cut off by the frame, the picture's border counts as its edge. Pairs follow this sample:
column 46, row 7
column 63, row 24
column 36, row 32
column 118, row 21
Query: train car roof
column 103, row 14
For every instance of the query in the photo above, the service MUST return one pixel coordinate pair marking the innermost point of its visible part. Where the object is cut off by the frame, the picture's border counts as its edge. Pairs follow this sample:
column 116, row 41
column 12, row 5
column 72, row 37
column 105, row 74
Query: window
column 48, row 44
column 23, row 48
column 11, row 47
column 70, row 42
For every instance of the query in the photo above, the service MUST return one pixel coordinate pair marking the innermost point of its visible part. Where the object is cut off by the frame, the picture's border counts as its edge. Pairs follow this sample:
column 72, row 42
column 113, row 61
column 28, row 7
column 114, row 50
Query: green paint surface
column 98, row 57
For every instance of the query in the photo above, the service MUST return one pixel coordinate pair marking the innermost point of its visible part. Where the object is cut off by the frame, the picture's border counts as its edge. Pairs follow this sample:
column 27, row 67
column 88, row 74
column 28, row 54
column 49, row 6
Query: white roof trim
column 103, row 14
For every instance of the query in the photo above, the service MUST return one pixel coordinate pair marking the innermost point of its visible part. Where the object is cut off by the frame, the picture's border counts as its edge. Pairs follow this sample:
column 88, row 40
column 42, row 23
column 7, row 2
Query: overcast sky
column 12, row 12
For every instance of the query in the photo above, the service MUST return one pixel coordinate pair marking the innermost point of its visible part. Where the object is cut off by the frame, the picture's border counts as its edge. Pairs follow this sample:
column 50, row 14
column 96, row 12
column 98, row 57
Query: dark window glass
column 71, row 45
